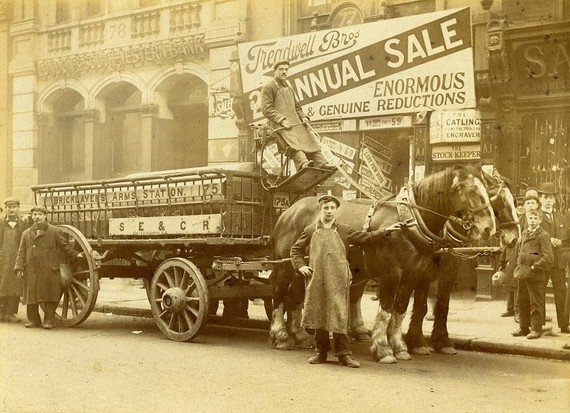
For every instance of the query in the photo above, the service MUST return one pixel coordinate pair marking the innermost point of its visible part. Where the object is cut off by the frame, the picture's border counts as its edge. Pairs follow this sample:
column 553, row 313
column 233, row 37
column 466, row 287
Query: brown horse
column 450, row 194
column 445, row 269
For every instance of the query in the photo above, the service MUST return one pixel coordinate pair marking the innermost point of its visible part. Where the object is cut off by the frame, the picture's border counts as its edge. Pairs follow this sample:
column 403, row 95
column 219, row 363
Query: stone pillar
column 90, row 118
column 148, row 113
column 5, row 108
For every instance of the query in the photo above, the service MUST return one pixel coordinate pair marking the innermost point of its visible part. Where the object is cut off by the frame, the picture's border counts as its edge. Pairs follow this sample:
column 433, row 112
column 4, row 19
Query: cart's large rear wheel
column 81, row 286
column 179, row 299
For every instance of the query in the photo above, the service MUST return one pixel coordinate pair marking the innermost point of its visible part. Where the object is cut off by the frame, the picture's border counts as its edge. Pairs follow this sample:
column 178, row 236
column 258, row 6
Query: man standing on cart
column 280, row 107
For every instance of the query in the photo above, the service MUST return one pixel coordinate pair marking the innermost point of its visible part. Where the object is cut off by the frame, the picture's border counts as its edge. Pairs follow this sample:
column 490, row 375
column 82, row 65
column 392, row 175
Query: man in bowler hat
column 554, row 223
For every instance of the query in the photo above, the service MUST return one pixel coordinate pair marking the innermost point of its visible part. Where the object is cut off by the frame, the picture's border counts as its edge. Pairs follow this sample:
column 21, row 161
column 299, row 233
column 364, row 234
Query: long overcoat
column 10, row 285
column 38, row 258
column 558, row 227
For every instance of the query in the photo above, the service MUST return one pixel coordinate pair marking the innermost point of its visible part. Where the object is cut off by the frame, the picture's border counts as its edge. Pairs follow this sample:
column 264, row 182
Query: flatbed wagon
column 195, row 236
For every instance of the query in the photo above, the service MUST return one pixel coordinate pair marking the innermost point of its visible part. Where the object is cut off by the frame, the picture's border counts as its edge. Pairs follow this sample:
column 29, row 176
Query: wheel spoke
column 185, row 280
column 80, row 284
column 163, row 286
column 193, row 310
column 171, row 323
column 169, row 278
column 190, row 288
column 72, row 302
column 79, row 295
column 65, row 306
column 176, row 276
column 192, row 299
column 188, row 319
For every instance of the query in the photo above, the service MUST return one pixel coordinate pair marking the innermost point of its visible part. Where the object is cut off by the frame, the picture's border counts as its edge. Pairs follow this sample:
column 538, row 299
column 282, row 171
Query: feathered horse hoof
column 421, row 351
column 450, row 351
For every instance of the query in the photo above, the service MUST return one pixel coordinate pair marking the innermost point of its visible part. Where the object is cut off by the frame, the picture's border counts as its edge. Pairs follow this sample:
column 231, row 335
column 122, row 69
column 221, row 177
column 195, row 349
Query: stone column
column 90, row 118
column 148, row 145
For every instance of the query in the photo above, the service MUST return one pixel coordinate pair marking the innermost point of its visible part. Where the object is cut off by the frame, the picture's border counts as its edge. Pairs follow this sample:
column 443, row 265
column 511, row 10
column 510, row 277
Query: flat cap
column 281, row 62
column 11, row 200
column 329, row 198
column 39, row 209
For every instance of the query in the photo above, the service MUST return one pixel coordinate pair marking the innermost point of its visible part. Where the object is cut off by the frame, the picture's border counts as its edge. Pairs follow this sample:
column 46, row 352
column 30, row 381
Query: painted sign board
column 386, row 122
column 452, row 126
column 456, row 152
column 167, row 225
column 388, row 67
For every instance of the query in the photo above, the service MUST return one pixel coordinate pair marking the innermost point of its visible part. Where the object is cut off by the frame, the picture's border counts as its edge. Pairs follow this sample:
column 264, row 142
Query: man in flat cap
column 280, row 107
column 38, row 264
column 327, row 278
column 555, row 223
column 11, row 228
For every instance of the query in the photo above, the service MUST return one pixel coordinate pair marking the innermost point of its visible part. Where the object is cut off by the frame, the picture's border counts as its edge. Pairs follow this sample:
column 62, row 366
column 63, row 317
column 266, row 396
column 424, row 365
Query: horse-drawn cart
column 195, row 236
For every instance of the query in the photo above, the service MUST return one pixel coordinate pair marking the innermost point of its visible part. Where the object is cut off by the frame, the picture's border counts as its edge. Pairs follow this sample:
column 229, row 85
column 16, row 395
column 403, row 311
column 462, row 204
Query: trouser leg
column 33, row 314
column 511, row 300
column 523, row 301
column 11, row 305
column 341, row 344
column 318, row 158
column 559, row 289
column 537, row 298
column 49, row 311
column 299, row 158
column 322, row 342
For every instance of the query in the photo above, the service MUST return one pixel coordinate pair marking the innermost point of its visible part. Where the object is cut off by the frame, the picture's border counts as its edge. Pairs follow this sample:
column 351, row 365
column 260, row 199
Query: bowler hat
column 11, row 200
column 329, row 198
column 547, row 188
column 281, row 62
column 39, row 209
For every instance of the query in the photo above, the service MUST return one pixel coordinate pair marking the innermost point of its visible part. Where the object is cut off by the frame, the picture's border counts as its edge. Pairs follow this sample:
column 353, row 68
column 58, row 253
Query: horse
column 445, row 269
column 453, row 193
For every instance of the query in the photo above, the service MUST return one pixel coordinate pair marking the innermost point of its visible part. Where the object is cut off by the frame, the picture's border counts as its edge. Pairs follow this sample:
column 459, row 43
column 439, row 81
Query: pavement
column 472, row 325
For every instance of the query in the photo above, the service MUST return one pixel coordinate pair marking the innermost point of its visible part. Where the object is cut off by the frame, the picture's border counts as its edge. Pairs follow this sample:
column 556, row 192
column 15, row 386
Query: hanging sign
column 388, row 67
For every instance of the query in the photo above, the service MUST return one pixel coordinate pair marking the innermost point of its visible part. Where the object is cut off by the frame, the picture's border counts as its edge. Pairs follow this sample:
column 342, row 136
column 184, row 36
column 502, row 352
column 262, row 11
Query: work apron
column 327, row 291
column 298, row 137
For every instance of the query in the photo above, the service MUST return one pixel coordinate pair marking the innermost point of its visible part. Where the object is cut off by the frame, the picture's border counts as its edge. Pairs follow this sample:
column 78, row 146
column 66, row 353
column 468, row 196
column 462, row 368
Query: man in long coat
column 328, row 278
column 11, row 228
column 38, row 264
column 279, row 105
column 554, row 222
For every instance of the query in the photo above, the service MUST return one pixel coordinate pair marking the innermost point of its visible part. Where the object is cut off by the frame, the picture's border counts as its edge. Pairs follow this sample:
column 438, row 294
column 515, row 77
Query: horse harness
column 415, row 229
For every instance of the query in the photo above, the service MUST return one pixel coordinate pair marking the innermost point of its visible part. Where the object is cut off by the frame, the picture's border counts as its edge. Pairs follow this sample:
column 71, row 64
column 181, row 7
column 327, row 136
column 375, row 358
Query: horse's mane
column 434, row 189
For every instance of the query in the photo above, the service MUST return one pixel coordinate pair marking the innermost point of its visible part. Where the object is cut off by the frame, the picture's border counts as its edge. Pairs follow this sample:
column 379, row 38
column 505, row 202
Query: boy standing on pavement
column 535, row 255
column 553, row 222
column 11, row 228
column 327, row 278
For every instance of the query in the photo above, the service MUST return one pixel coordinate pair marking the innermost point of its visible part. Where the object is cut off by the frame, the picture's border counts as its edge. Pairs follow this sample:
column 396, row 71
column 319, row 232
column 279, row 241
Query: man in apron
column 280, row 107
column 328, row 278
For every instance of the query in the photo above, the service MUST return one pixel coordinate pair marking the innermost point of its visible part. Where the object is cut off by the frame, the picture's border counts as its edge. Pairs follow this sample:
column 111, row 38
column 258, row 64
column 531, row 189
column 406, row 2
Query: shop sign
column 386, row 122
column 385, row 166
column 455, row 126
column 339, row 148
column 378, row 147
column 456, row 152
column 382, row 181
column 542, row 66
column 349, row 194
column 388, row 67
column 118, row 59
column 167, row 225
column 374, row 167
column 334, row 125
column 372, row 188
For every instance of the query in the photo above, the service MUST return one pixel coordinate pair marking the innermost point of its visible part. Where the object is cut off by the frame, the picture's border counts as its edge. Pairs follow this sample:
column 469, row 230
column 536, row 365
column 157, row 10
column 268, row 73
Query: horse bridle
column 497, row 198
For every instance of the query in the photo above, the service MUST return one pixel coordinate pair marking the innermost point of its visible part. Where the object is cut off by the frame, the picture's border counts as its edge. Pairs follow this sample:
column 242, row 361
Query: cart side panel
column 221, row 203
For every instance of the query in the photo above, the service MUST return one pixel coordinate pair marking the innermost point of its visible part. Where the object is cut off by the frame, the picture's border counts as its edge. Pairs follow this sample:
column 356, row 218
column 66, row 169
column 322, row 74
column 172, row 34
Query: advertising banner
column 396, row 66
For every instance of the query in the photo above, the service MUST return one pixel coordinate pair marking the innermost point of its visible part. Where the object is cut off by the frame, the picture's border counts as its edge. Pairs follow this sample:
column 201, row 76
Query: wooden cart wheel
column 179, row 299
column 81, row 286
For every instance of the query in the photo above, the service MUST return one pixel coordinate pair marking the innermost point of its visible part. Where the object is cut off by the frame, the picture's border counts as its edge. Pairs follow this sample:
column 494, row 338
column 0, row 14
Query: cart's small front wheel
column 179, row 299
